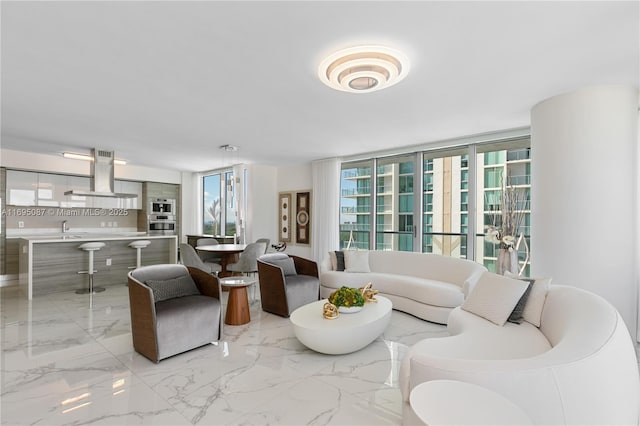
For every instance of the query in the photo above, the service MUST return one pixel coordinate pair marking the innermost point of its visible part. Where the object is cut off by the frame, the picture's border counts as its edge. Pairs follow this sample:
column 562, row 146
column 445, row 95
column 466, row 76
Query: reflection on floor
column 63, row 363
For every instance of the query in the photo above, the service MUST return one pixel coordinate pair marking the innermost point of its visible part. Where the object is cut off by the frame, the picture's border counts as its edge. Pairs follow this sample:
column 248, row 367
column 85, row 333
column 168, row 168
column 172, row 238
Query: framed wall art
column 303, row 217
column 284, row 214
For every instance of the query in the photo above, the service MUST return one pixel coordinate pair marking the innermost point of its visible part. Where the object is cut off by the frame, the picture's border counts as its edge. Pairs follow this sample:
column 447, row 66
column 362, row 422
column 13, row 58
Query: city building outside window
column 448, row 210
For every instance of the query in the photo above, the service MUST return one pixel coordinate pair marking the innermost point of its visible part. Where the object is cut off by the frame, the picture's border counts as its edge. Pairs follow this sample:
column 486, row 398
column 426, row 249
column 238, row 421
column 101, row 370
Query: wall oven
column 162, row 224
column 162, row 206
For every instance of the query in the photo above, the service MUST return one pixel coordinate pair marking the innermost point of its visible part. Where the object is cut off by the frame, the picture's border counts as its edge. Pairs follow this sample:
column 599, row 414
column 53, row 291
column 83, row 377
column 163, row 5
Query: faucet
column 65, row 228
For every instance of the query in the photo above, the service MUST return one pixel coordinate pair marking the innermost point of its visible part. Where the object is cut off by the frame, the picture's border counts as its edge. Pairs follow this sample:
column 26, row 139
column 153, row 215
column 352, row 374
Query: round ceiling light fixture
column 363, row 69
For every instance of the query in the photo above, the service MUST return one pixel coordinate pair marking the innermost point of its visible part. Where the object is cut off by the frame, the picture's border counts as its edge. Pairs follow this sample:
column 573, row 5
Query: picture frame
column 303, row 217
column 285, row 210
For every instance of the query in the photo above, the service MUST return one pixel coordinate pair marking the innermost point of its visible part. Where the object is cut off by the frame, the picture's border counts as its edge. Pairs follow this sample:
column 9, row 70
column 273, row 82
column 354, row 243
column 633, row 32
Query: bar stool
column 138, row 245
column 90, row 247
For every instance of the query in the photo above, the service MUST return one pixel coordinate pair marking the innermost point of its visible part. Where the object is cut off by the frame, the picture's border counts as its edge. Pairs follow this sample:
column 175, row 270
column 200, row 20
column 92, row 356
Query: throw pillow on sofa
column 535, row 303
column 516, row 316
column 494, row 297
column 356, row 261
column 339, row 261
column 532, row 312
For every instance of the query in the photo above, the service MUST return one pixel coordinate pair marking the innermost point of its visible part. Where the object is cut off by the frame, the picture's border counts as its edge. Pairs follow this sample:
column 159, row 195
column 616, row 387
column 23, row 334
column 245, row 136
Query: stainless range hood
column 102, row 177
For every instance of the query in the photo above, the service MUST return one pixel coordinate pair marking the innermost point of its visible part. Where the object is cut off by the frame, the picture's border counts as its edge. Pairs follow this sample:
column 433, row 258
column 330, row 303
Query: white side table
column 449, row 402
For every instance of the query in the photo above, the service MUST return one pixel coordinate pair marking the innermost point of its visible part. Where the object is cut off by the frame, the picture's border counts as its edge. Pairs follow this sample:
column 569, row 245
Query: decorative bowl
column 349, row 310
column 347, row 298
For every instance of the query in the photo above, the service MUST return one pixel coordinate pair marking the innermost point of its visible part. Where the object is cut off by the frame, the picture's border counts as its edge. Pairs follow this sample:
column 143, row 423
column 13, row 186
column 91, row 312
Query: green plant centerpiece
column 347, row 299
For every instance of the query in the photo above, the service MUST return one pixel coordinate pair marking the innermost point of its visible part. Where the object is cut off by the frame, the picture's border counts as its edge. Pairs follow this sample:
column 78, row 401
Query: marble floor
column 63, row 363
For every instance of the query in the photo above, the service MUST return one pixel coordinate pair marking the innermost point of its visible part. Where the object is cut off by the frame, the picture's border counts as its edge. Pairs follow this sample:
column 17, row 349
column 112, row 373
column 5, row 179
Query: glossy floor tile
column 64, row 363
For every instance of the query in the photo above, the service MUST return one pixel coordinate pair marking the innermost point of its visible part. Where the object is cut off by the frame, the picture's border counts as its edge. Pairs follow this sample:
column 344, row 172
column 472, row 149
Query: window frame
column 469, row 152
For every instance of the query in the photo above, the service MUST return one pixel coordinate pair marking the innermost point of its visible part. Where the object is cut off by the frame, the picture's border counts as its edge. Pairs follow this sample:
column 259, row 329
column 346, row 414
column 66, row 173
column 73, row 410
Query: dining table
column 228, row 254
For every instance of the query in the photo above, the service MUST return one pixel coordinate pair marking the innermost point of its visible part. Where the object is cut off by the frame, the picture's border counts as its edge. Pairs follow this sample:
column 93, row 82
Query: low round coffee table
column 238, row 302
column 345, row 334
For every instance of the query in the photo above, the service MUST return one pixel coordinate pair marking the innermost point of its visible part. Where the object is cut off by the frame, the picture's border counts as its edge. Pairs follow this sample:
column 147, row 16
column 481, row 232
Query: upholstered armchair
column 173, row 309
column 287, row 282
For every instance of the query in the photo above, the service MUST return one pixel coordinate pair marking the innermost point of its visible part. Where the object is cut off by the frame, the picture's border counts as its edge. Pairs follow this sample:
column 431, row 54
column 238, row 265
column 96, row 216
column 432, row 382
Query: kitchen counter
column 50, row 263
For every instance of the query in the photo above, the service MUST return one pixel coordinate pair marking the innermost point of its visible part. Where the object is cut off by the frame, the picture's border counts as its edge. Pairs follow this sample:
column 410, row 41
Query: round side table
column 238, row 302
column 450, row 402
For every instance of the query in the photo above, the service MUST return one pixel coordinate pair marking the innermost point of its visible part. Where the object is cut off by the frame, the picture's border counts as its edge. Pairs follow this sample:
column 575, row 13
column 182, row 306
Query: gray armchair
column 287, row 282
column 173, row 309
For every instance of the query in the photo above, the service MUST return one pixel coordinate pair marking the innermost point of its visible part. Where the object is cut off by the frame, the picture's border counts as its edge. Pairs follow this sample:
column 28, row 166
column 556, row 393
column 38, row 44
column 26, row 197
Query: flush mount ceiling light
column 363, row 69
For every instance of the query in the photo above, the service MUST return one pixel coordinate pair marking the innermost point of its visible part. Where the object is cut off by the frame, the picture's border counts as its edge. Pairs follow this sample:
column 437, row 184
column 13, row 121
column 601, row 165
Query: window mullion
column 471, row 203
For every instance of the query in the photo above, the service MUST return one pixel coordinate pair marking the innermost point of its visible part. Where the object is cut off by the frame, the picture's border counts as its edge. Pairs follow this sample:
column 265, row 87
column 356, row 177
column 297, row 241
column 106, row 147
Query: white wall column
column 262, row 203
column 584, row 193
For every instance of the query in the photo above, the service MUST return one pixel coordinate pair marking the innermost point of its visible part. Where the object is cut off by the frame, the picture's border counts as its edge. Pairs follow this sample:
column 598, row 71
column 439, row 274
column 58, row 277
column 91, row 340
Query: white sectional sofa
column 426, row 285
column 578, row 367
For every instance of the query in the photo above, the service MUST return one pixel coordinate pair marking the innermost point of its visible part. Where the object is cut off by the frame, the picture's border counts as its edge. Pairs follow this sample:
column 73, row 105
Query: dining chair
column 208, row 256
column 266, row 242
column 190, row 258
column 248, row 262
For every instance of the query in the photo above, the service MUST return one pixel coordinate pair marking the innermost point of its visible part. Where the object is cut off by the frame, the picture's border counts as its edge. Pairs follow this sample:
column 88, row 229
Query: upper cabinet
column 129, row 187
column 21, row 188
column 162, row 190
column 48, row 190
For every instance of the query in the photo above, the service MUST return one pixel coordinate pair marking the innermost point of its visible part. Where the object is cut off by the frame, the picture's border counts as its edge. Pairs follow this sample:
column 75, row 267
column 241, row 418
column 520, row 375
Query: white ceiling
column 165, row 83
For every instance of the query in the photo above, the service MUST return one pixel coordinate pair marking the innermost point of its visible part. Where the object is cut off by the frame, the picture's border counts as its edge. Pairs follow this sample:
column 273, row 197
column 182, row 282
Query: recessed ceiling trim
column 363, row 69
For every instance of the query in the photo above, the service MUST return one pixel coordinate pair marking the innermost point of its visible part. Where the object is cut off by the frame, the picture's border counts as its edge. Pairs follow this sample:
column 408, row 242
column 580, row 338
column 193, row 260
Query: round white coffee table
column 345, row 334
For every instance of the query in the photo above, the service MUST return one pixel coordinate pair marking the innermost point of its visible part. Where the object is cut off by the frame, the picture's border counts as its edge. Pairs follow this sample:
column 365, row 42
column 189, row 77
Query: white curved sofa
column 579, row 367
column 426, row 285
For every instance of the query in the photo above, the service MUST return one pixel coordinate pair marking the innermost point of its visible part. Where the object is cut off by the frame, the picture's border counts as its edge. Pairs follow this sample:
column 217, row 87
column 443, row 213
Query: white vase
column 507, row 261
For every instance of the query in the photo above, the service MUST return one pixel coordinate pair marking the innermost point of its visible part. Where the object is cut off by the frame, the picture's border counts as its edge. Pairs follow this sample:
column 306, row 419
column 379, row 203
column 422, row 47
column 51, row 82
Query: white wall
column 191, row 204
column 262, row 203
column 584, row 191
column 295, row 179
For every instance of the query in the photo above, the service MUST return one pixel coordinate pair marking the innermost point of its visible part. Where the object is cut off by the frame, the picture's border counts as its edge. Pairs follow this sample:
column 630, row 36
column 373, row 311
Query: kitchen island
column 50, row 263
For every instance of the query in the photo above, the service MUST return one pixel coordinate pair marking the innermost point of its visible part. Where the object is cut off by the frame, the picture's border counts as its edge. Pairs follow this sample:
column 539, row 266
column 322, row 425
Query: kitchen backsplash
column 21, row 220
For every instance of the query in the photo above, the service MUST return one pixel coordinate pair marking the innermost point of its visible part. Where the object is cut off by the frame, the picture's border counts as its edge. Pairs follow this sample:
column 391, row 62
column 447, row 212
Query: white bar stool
column 90, row 247
column 138, row 245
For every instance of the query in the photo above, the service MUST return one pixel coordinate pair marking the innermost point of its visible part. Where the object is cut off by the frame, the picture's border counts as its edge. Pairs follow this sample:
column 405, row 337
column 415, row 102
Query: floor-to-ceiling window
column 218, row 200
column 440, row 201
column 355, row 205
column 504, row 195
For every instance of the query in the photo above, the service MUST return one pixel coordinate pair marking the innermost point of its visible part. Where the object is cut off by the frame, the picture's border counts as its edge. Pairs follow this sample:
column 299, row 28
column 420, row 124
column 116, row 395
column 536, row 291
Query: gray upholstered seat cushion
column 300, row 290
column 186, row 322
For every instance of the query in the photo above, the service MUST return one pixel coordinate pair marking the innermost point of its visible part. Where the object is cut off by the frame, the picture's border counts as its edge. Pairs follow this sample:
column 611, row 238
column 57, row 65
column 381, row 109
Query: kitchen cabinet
column 21, row 188
column 129, row 187
column 162, row 190
column 81, row 201
column 48, row 190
